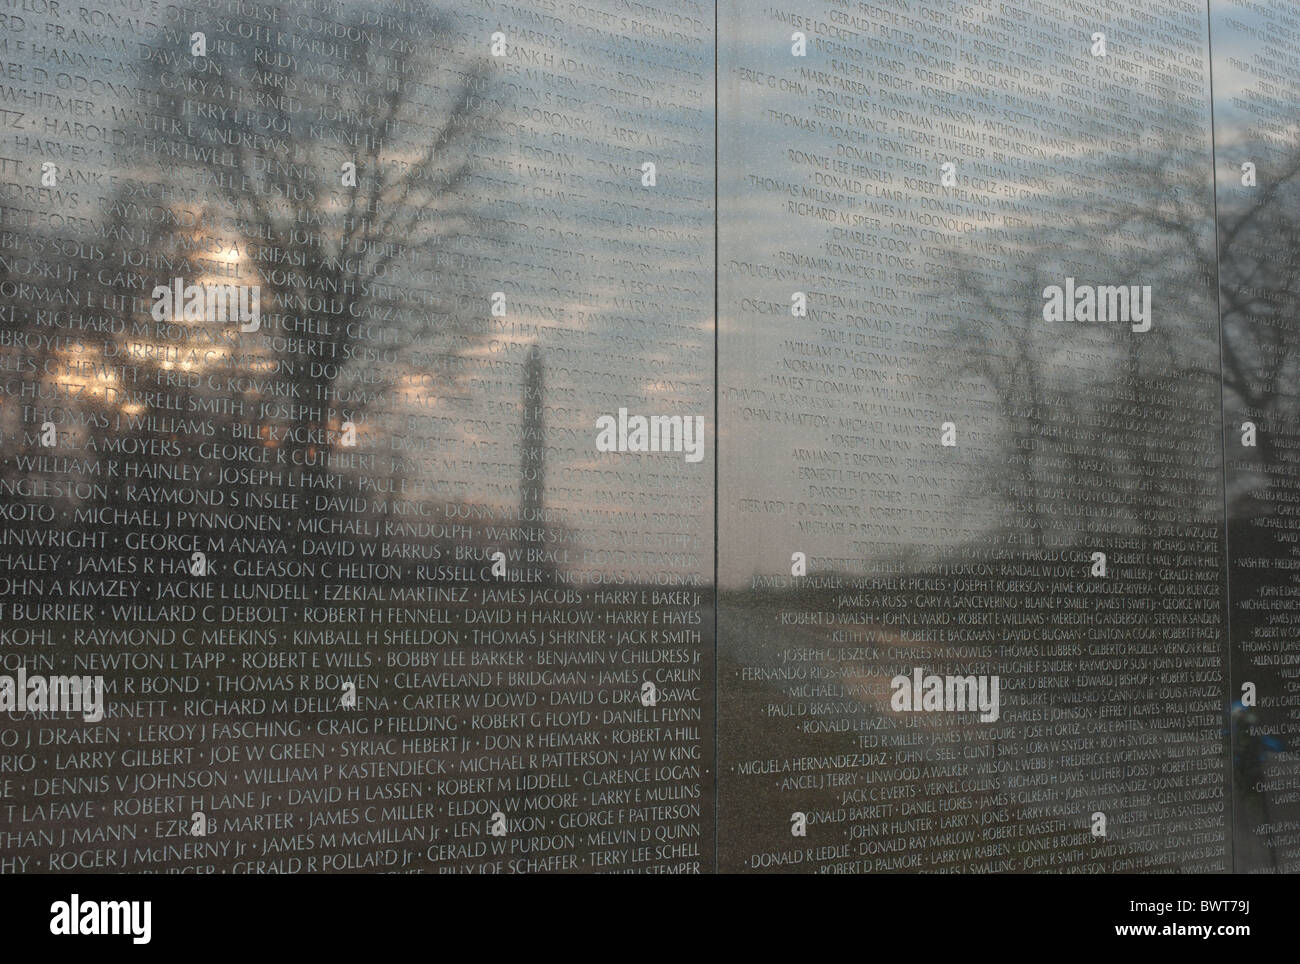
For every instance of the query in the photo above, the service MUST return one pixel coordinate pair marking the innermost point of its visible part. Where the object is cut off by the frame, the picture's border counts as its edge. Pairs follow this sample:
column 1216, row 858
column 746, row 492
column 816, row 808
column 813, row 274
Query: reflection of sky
column 1256, row 89
column 1253, row 58
column 613, row 279
column 610, row 278
column 1047, row 210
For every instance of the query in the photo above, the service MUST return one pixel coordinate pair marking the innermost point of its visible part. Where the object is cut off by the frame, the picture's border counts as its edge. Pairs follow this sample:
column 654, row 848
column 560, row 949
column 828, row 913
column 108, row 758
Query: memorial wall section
column 395, row 397
column 970, row 495
column 362, row 590
column 1256, row 97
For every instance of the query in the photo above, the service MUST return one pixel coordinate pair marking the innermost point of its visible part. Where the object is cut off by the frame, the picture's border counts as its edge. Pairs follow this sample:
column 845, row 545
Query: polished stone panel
column 939, row 470
column 364, row 590
column 1256, row 94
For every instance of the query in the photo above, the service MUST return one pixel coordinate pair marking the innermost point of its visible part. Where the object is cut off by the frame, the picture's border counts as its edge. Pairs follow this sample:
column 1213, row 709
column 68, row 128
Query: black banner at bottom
column 334, row 915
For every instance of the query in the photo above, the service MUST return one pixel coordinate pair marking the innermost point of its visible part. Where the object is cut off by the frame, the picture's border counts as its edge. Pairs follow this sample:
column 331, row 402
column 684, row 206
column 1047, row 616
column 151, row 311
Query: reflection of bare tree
column 1258, row 233
column 1260, row 285
column 1169, row 210
column 349, row 262
column 1099, row 435
column 1096, row 404
column 241, row 180
column 1165, row 234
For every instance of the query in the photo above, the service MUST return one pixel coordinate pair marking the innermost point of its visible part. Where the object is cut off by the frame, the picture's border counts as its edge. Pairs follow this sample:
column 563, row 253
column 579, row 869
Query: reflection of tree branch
column 400, row 209
column 1161, row 232
column 1247, row 276
column 413, row 136
column 1163, row 220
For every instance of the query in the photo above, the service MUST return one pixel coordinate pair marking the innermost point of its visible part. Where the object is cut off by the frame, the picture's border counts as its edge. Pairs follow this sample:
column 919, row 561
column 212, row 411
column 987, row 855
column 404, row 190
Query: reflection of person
column 1250, row 751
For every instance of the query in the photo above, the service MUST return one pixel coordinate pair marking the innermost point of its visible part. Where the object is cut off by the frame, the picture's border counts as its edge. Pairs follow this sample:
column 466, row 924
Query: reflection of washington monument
column 532, row 463
column 532, row 448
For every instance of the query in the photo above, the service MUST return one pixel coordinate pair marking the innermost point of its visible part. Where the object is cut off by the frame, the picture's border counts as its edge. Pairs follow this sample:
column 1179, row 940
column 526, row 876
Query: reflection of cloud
column 833, row 192
column 534, row 189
